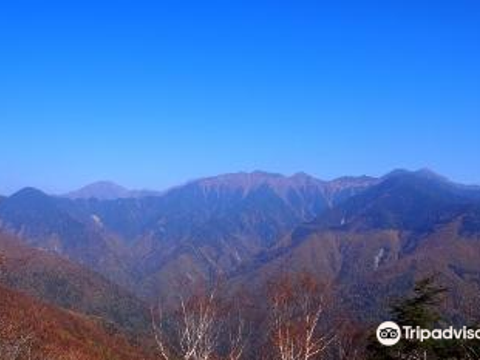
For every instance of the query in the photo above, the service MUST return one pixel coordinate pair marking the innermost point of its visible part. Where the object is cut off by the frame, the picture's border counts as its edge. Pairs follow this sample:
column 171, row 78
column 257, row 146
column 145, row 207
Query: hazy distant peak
column 108, row 190
column 29, row 192
column 105, row 183
column 102, row 190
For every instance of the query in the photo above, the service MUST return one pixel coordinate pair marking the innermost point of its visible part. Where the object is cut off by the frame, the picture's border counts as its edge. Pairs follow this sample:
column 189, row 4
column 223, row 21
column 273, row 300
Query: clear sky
column 154, row 93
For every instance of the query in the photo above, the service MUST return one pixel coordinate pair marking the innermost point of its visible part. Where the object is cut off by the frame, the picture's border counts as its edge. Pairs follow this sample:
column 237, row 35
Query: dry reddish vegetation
column 60, row 282
column 51, row 333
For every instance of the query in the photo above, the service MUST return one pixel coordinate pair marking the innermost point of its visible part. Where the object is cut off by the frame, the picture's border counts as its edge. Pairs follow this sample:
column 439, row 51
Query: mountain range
column 108, row 252
column 108, row 190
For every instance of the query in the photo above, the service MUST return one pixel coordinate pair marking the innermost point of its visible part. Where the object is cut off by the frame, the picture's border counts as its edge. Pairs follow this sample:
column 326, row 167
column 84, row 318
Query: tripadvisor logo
column 389, row 333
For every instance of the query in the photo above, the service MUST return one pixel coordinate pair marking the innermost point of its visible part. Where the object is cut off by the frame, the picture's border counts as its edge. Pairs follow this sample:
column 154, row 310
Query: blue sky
column 150, row 94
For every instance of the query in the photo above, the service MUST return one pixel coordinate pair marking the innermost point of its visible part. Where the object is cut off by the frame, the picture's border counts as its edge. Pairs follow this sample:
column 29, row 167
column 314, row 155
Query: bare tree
column 195, row 330
column 296, row 308
column 236, row 341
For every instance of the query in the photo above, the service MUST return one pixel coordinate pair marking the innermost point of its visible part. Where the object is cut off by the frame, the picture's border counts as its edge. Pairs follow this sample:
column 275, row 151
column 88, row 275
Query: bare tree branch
column 296, row 308
column 196, row 331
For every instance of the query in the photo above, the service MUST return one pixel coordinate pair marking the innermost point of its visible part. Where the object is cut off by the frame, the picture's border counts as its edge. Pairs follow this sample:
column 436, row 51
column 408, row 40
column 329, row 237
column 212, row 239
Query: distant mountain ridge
column 222, row 224
column 375, row 245
column 105, row 253
column 107, row 190
column 207, row 225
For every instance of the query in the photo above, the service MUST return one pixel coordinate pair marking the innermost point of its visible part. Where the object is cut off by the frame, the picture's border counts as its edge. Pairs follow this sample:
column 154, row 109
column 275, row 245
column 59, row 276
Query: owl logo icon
column 388, row 333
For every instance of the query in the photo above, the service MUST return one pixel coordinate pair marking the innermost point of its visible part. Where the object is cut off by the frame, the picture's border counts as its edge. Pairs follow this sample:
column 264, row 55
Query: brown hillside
column 56, row 334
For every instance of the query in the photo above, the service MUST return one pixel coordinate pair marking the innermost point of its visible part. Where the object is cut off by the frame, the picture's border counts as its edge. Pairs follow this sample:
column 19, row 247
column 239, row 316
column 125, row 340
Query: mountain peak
column 101, row 190
column 301, row 175
column 430, row 174
column 261, row 173
column 29, row 192
column 105, row 183
column 108, row 190
column 423, row 173
column 251, row 180
column 396, row 173
column 27, row 198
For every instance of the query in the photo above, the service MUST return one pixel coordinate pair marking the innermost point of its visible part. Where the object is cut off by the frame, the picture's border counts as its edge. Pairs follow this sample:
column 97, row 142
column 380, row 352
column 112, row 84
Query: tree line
column 294, row 322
